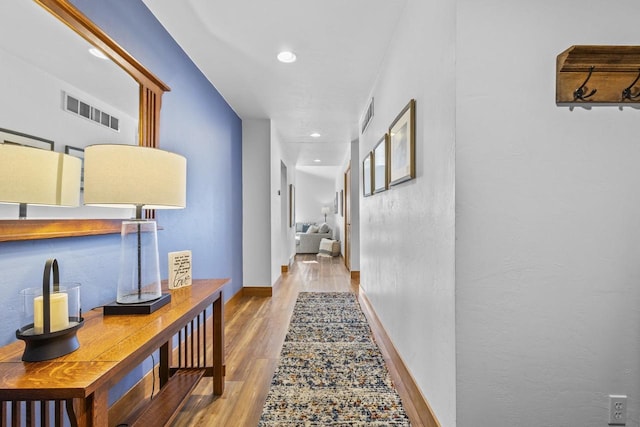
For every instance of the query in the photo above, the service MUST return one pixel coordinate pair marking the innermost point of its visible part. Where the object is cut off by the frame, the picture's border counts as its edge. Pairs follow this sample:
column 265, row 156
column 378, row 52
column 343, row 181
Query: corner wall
column 407, row 232
column 283, row 246
column 547, row 230
column 256, row 187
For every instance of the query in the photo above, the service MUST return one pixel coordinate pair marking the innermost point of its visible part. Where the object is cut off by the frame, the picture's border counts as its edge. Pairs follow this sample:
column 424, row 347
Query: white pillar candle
column 59, row 313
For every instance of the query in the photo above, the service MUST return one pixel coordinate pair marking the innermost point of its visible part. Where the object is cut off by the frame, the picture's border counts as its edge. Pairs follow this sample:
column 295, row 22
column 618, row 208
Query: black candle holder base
column 39, row 347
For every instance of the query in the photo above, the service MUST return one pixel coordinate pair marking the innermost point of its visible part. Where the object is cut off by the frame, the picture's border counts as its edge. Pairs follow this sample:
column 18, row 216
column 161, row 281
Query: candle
column 59, row 313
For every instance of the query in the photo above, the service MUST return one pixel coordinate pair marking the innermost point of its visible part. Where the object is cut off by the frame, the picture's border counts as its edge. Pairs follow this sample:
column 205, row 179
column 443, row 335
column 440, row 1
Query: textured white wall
column 548, row 229
column 256, row 222
column 283, row 244
column 407, row 233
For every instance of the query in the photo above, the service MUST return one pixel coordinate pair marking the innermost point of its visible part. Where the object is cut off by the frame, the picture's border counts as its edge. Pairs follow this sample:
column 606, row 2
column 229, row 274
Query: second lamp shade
column 129, row 175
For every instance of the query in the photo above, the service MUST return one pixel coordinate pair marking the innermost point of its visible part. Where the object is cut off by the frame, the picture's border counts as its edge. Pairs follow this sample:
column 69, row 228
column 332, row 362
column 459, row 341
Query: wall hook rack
column 607, row 68
column 626, row 93
column 579, row 93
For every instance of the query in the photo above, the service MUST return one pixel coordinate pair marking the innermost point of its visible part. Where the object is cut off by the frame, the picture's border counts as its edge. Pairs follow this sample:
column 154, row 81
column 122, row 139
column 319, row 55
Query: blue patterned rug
column 331, row 372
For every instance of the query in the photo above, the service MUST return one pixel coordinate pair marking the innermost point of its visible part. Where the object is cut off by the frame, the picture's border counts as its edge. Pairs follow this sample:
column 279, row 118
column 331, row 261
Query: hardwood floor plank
column 254, row 334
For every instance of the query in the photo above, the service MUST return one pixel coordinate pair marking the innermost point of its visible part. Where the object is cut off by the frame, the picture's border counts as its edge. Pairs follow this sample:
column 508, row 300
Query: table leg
column 91, row 411
column 165, row 363
column 218, row 346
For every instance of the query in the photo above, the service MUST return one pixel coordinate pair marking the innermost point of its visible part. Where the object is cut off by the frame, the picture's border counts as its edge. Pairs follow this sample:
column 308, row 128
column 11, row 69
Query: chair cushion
column 312, row 229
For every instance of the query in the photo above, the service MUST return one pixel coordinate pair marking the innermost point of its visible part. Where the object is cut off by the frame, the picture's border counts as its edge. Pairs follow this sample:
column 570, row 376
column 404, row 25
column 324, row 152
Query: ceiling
column 340, row 45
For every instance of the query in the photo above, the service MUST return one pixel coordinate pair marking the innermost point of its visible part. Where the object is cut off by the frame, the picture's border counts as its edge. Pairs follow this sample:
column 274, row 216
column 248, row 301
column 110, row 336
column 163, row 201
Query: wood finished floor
column 254, row 334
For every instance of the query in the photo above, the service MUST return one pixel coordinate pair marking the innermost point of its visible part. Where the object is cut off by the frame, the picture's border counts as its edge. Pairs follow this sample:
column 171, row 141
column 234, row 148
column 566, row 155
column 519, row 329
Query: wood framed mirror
column 151, row 89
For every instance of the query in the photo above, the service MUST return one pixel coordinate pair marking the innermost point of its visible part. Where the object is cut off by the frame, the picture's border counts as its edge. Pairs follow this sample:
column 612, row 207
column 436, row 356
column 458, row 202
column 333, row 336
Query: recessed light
column 97, row 53
column 317, row 160
column 287, row 57
column 315, row 135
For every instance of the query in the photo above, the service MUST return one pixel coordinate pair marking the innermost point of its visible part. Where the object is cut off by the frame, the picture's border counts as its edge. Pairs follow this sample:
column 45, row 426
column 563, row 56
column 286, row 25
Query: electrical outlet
column 617, row 410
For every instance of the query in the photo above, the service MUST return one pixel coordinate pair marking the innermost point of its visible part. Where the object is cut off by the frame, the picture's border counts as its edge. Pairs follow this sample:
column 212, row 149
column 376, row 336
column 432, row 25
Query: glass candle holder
column 65, row 311
column 50, row 317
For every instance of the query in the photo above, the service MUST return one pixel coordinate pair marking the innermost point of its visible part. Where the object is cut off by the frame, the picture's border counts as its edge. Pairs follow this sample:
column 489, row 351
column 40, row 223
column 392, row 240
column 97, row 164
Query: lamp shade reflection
column 38, row 177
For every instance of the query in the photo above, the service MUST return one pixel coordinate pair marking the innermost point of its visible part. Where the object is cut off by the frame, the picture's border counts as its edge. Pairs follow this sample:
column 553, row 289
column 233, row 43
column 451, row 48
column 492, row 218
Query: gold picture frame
column 380, row 165
column 402, row 145
column 367, row 175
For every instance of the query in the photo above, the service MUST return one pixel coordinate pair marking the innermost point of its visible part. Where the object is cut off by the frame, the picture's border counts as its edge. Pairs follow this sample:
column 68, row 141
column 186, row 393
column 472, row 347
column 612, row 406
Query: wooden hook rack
column 598, row 74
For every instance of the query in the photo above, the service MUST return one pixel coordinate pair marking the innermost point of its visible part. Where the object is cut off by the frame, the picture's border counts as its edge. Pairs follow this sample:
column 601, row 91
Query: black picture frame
column 8, row 136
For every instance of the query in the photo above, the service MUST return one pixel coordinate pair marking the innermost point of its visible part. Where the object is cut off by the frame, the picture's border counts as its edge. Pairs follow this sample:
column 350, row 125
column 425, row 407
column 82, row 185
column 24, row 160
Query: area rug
column 331, row 372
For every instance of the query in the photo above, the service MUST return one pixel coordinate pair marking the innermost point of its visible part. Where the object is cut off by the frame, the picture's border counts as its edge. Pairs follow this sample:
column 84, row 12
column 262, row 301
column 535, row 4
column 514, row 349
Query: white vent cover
column 80, row 108
column 368, row 115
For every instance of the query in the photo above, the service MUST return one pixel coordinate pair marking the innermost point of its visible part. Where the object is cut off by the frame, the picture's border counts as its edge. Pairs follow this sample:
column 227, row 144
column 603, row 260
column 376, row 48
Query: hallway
column 255, row 331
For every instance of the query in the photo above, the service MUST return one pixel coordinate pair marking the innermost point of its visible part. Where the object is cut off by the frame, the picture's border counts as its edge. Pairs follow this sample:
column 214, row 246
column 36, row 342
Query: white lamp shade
column 127, row 176
column 38, row 177
column 326, row 210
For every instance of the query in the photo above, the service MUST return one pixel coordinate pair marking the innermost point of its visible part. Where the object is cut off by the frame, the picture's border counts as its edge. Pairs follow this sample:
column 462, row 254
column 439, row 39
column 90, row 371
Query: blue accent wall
column 195, row 122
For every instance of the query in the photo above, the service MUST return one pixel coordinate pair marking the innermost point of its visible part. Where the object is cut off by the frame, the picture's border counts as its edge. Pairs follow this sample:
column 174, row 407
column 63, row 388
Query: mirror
column 136, row 107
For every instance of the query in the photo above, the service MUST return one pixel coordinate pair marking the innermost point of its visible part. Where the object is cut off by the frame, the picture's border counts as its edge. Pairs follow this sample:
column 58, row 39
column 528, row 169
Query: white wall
column 407, row 232
column 256, row 188
column 354, row 195
column 283, row 244
column 315, row 188
column 547, row 233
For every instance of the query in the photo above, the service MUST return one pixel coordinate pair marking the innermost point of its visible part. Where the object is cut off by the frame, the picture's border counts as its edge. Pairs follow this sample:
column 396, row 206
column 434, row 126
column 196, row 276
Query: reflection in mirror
column 53, row 89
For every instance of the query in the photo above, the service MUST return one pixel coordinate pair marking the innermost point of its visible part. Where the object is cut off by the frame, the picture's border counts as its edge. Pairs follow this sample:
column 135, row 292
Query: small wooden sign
column 179, row 269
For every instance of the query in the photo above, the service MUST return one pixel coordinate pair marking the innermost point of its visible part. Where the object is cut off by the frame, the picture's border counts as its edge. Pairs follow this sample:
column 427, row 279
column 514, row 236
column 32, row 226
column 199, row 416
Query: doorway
column 347, row 218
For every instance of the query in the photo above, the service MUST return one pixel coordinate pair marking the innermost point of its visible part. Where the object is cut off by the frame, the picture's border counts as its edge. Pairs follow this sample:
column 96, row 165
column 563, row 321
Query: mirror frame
column 150, row 100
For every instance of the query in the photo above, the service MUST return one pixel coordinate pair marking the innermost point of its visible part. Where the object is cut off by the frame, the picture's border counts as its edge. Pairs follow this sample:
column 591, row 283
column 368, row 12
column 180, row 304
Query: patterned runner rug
column 331, row 372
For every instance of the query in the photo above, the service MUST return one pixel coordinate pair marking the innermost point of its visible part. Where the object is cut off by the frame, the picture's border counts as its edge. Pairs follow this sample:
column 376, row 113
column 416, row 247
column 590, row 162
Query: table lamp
column 129, row 176
column 326, row 210
column 32, row 176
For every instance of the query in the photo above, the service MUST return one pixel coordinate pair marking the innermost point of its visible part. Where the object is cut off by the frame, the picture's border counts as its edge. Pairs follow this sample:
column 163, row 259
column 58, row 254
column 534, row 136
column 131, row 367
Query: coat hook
column 579, row 93
column 626, row 93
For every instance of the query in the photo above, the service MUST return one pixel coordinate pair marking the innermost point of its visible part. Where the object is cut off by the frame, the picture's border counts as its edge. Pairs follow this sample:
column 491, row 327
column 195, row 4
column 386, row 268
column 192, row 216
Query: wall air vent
column 80, row 108
column 368, row 115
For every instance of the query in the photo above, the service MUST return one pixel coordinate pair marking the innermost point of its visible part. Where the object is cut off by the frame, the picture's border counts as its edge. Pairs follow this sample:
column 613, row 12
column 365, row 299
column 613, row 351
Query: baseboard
column 421, row 407
column 257, row 291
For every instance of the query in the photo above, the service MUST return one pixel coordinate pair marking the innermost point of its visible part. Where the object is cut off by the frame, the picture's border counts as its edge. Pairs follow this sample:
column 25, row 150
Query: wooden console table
column 110, row 347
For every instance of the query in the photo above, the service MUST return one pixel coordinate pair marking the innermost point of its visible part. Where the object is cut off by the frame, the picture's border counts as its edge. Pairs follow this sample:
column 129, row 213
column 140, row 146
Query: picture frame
column 292, row 206
column 380, row 168
column 8, row 136
column 335, row 204
column 341, row 202
column 79, row 153
column 367, row 175
column 402, row 145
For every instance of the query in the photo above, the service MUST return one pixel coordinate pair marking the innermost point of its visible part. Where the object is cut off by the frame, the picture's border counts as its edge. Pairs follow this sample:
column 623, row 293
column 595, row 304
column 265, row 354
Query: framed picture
column 79, row 153
column 335, row 204
column 402, row 145
column 366, row 175
column 292, row 206
column 18, row 138
column 380, row 169
column 341, row 202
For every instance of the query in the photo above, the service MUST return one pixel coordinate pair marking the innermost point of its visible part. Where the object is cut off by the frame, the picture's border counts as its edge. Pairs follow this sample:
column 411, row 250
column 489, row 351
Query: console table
column 111, row 346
